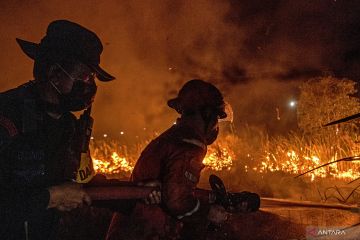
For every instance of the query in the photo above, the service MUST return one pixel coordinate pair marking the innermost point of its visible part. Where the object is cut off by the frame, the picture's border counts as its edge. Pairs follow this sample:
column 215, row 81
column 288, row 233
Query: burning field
column 249, row 159
column 113, row 159
column 301, row 175
column 263, row 55
column 273, row 155
column 250, row 155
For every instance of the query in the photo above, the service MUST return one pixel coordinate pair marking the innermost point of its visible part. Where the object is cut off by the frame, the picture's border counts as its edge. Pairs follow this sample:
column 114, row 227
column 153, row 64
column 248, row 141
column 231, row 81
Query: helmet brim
column 101, row 74
column 174, row 104
column 31, row 49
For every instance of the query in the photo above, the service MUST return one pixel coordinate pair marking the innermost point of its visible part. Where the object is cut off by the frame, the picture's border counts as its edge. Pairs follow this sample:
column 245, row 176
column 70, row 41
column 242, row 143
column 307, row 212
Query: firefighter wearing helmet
column 175, row 160
column 38, row 131
column 203, row 99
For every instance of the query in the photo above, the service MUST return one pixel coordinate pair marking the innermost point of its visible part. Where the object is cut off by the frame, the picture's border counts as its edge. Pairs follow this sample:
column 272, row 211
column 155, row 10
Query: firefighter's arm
column 178, row 192
column 151, row 156
column 179, row 195
column 18, row 197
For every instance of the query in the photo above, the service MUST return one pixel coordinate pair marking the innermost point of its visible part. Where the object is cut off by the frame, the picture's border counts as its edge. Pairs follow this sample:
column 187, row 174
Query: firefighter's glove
column 155, row 196
column 217, row 214
column 68, row 196
column 244, row 202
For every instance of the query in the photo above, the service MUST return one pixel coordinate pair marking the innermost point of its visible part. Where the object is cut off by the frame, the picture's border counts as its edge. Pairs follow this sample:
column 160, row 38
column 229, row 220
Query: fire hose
column 121, row 190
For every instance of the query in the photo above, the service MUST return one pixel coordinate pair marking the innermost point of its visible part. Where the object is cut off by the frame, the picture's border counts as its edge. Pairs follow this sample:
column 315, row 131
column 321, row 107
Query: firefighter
column 175, row 160
column 37, row 131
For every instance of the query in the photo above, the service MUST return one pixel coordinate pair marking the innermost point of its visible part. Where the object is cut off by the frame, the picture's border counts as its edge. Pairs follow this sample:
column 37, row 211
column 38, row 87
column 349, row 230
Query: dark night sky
column 256, row 51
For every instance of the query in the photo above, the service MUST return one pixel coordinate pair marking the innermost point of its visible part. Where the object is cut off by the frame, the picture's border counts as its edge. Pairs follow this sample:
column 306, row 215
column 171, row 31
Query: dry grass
column 262, row 163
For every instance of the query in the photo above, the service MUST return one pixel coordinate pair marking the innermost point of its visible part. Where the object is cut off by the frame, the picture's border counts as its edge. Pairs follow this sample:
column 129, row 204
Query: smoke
column 255, row 51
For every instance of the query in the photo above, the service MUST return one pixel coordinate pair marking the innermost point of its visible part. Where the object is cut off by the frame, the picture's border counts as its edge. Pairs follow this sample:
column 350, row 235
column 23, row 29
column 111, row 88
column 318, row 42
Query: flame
column 219, row 158
column 115, row 165
column 111, row 158
column 294, row 163
column 112, row 166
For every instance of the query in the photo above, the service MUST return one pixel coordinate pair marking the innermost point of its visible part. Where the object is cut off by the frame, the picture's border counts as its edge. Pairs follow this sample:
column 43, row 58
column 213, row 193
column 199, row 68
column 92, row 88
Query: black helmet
column 197, row 94
column 65, row 39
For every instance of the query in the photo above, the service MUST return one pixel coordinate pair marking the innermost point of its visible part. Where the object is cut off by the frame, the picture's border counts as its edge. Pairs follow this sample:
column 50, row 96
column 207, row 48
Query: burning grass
column 296, row 154
column 110, row 157
column 252, row 160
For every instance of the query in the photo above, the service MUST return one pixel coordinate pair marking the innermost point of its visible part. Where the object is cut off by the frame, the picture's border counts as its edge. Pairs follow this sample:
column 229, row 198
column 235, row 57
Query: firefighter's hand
column 67, row 196
column 155, row 196
column 218, row 214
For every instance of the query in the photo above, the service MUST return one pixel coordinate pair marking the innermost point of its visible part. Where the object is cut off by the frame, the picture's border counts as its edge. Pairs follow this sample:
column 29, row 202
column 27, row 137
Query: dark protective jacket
column 35, row 154
column 175, row 159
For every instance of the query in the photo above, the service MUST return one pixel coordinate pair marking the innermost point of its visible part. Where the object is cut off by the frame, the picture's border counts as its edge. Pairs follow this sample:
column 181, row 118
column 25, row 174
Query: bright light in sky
column 292, row 103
